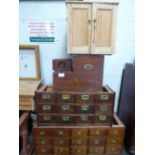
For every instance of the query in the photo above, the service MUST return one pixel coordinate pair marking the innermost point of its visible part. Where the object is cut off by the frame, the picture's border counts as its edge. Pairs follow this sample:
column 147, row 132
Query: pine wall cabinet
column 91, row 27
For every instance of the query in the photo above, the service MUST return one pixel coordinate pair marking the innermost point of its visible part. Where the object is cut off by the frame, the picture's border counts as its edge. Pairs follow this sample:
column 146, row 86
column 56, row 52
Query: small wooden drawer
column 45, row 119
column 58, row 132
column 61, row 150
column 43, row 142
column 85, row 108
column 61, row 141
column 114, row 140
column 45, row 97
column 65, row 98
column 66, row 109
column 79, row 141
column 65, row 119
column 42, row 132
column 106, row 96
column 78, row 150
column 104, row 109
column 84, row 119
column 44, row 150
column 96, row 150
column 97, row 141
column 114, row 132
column 114, row 149
column 84, row 98
column 97, row 132
column 103, row 119
column 46, row 108
column 79, row 133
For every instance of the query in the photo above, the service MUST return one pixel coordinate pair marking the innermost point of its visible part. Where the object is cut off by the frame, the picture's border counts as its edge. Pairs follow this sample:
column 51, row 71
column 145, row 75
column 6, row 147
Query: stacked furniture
column 75, row 116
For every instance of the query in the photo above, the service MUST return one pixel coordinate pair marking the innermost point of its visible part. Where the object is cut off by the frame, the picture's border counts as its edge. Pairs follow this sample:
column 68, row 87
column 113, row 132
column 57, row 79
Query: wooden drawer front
column 114, row 140
column 88, row 64
column 65, row 98
column 104, row 109
column 114, row 132
column 103, row 119
column 43, row 142
column 65, row 119
column 66, row 109
column 44, row 150
column 114, row 149
column 61, row 141
column 37, row 132
column 97, row 141
column 78, row 150
column 104, row 98
column 84, row 98
column 97, row 132
column 85, row 108
column 79, row 133
column 47, row 119
column 96, row 150
column 84, row 119
column 46, row 108
column 45, row 97
column 61, row 151
column 61, row 132
column 79, row 141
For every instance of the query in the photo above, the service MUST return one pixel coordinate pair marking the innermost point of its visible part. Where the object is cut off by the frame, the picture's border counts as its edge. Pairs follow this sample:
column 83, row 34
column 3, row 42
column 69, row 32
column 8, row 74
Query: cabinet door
column 79, row 28
column 104, row 23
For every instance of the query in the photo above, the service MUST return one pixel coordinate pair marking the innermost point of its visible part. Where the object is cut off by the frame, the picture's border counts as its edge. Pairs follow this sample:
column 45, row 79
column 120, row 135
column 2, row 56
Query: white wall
column 56, row 11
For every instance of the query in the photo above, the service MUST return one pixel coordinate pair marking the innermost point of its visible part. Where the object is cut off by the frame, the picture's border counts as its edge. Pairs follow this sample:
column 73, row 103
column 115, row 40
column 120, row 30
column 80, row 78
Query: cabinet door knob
column 89, row 21
column 94, row 20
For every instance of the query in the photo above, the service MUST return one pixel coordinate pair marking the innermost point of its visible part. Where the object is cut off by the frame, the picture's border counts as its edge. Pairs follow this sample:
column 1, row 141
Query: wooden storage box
column 96, row 140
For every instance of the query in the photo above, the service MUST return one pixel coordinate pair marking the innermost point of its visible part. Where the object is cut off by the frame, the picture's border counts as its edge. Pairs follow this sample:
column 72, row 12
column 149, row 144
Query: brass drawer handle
column 43, row 150
column 65, row 97
column 60, row 150
column 97, row 142
column 46, row 107
column 79, row 133
column 78, row 151
column 104, row 97
column 84, row 107
column 61, row 133
column 103, row 108
column 47, row 118
column 65, row 118
column 115, row 132
column 113, row 141
column 42, row 133
column 102, row 118
column 42, row 142
column 79, row 141
column 88, row 66
column 65, row 107
column 84, row 118
column 85, row 97
column 97, row 132
column 113, row 149
column 46, row 96
column 61, row 142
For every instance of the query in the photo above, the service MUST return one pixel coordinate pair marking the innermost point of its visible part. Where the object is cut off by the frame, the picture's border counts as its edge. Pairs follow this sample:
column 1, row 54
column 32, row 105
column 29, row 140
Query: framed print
column 29, row 66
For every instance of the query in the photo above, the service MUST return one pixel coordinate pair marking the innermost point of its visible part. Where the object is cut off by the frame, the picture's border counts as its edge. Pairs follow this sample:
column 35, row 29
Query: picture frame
column 29, row 65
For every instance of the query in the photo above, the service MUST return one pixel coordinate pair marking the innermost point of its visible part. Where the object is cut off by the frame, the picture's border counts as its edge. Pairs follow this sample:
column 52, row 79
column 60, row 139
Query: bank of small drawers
column 78, row 141
column 76, row 108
